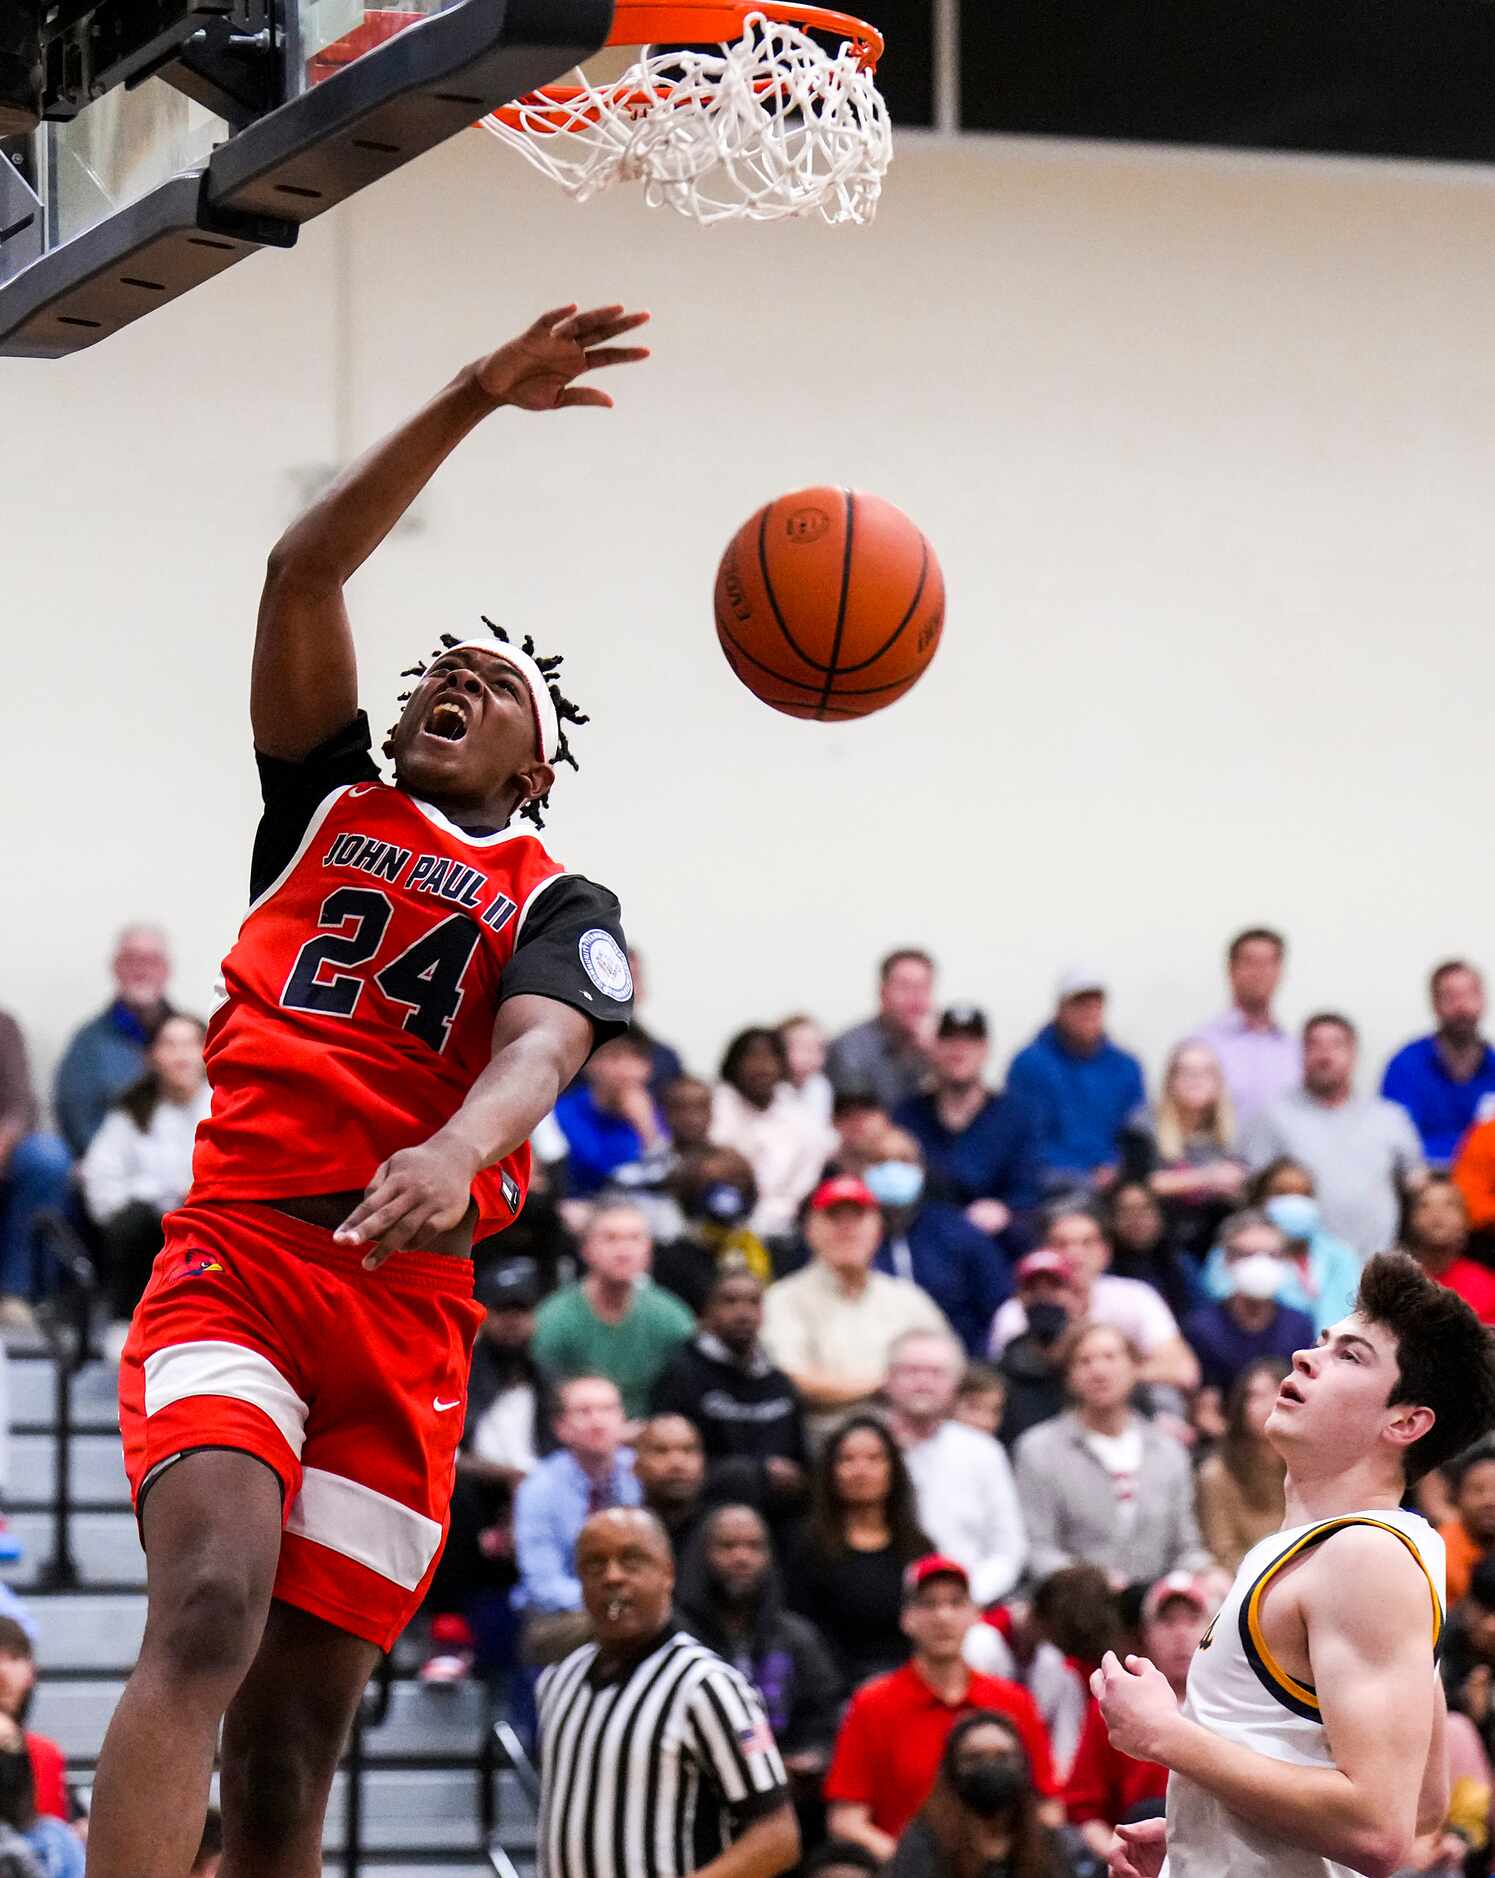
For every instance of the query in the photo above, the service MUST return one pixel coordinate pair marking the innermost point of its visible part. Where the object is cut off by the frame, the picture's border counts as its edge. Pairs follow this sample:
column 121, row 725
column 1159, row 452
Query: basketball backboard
column 180, row 136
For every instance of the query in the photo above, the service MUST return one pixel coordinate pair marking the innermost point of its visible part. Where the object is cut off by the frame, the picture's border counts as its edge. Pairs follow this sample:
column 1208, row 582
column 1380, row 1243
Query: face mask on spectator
column 1048, row 1322
column 725, row 1203
column 989, row 1786
column 1257, row 1276
column 895, row 1183
column 1296, row 1214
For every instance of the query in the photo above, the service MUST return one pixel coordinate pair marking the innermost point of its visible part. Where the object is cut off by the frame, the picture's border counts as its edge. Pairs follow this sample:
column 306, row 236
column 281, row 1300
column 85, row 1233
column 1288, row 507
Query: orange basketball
column 829, row 604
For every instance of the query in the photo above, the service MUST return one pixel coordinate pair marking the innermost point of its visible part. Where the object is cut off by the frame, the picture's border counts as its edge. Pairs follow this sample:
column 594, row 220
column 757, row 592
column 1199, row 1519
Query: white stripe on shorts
column 348, row 1517
column 215, row 1368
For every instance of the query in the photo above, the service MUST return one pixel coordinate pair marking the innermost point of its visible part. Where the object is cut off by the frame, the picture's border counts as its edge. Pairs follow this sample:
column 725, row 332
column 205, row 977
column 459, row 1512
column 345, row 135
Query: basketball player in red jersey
column 415, row 982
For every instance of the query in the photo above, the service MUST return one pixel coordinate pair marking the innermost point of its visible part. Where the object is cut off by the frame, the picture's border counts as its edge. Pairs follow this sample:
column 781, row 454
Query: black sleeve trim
column 293, row 792
column 756, row 1806
column 573, row 930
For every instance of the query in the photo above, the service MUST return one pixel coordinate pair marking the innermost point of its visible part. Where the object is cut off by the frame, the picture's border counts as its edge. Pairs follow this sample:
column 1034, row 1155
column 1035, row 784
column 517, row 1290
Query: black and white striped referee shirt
column 646, row 1774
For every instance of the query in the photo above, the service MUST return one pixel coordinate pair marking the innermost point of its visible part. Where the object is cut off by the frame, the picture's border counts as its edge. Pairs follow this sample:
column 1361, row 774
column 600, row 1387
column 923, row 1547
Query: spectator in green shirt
column 617, row 1322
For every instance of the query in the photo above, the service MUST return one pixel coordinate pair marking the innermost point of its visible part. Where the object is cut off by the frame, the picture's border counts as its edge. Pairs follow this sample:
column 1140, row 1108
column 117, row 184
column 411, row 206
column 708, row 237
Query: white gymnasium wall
column 1207, row 447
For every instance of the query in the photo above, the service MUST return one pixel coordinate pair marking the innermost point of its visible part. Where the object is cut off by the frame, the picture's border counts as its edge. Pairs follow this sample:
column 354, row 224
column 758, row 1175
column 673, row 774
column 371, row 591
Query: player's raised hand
column 1137, row 1702
column 416, row 1194
column 1138, row 1851
column 537, row 370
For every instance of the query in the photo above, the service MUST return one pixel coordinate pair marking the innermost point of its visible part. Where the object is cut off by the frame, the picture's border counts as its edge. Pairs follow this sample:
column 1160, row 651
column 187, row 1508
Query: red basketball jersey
column 358, row 1002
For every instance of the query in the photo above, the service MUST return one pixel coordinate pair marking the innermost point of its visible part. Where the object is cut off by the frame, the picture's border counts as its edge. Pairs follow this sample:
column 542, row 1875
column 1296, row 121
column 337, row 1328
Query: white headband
column 547, row 725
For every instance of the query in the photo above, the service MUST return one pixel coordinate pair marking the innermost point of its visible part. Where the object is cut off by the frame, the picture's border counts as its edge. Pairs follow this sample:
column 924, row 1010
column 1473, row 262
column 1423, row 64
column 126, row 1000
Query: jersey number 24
column 426, row 977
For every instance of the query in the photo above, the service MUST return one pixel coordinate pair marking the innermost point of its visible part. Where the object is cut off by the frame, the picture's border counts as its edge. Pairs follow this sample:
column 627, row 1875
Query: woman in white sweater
column 139, row 1165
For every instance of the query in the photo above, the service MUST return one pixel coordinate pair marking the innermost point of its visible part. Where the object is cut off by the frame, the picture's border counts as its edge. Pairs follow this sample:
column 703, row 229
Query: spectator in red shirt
column 889, row 1748
column 17, row 1683
column 1106, row 1786
column 1437, row 1236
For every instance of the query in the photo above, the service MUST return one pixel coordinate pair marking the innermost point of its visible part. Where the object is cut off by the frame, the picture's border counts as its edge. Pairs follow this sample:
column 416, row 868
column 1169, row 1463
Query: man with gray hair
column 1231, row 1333
column 107, row 1053
column 967, row 1498
column 616, row 1322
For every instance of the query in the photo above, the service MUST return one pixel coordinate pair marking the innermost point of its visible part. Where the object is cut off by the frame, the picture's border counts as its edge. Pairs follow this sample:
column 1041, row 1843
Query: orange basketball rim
column 729, row 110
column 677, row 23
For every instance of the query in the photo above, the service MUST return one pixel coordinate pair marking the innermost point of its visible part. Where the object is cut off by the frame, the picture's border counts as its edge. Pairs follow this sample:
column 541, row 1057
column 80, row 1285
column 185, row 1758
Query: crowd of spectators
column 940, row 1388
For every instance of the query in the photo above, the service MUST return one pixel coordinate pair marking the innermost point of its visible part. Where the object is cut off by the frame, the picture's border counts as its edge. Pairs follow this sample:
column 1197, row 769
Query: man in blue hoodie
column 1077, row 1087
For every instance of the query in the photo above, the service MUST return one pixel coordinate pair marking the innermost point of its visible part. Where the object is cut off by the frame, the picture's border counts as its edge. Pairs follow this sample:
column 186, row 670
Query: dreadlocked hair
column 565, row 711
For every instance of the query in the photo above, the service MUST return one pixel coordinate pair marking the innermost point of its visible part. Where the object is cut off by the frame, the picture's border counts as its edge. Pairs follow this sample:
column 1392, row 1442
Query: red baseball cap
column 933, row 1565
column 842, row 1190
column 1044, row 1263
column 1176, row 1585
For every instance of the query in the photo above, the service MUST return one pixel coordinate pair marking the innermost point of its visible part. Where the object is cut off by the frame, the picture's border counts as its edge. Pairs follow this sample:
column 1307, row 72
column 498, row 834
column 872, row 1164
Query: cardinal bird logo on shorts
column 194, row 1265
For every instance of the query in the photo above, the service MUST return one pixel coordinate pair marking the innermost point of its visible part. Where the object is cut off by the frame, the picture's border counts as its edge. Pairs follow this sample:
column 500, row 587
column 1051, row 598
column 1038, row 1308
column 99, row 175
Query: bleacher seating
column 420, row 1801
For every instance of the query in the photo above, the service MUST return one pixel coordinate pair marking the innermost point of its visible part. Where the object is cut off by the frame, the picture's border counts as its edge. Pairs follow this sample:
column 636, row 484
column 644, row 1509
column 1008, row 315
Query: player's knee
column 209, row 1625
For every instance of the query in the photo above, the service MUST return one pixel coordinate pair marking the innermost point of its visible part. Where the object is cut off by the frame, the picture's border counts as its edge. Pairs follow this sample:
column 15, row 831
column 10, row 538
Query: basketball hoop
column 770, row 125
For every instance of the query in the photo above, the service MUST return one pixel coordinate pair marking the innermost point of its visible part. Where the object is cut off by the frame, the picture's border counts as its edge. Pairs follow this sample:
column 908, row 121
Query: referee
column 656, row 1759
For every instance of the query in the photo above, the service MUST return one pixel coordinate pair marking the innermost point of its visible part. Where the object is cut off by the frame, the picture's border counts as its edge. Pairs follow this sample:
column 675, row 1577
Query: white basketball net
column 771, row 127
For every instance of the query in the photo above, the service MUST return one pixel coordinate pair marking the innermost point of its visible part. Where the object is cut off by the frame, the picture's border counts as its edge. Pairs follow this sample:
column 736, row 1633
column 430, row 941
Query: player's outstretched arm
column 305, row 679
column 539, row 1044
column 1366, row 1606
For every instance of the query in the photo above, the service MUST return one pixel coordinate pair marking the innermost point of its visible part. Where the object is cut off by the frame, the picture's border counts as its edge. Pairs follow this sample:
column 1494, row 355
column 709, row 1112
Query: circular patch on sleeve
column 606, row 964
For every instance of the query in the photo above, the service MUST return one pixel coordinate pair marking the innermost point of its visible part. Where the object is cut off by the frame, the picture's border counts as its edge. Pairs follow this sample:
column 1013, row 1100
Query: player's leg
column 282, row 1737
column 210, row 1524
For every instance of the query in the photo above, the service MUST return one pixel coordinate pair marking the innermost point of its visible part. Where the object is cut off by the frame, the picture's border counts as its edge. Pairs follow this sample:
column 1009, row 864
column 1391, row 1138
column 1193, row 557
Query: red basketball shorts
column 257, row 1333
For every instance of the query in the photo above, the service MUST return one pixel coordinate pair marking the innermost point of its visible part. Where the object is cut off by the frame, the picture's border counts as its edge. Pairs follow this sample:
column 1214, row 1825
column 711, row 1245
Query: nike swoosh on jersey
column 441, row 1407
column 361, row 789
